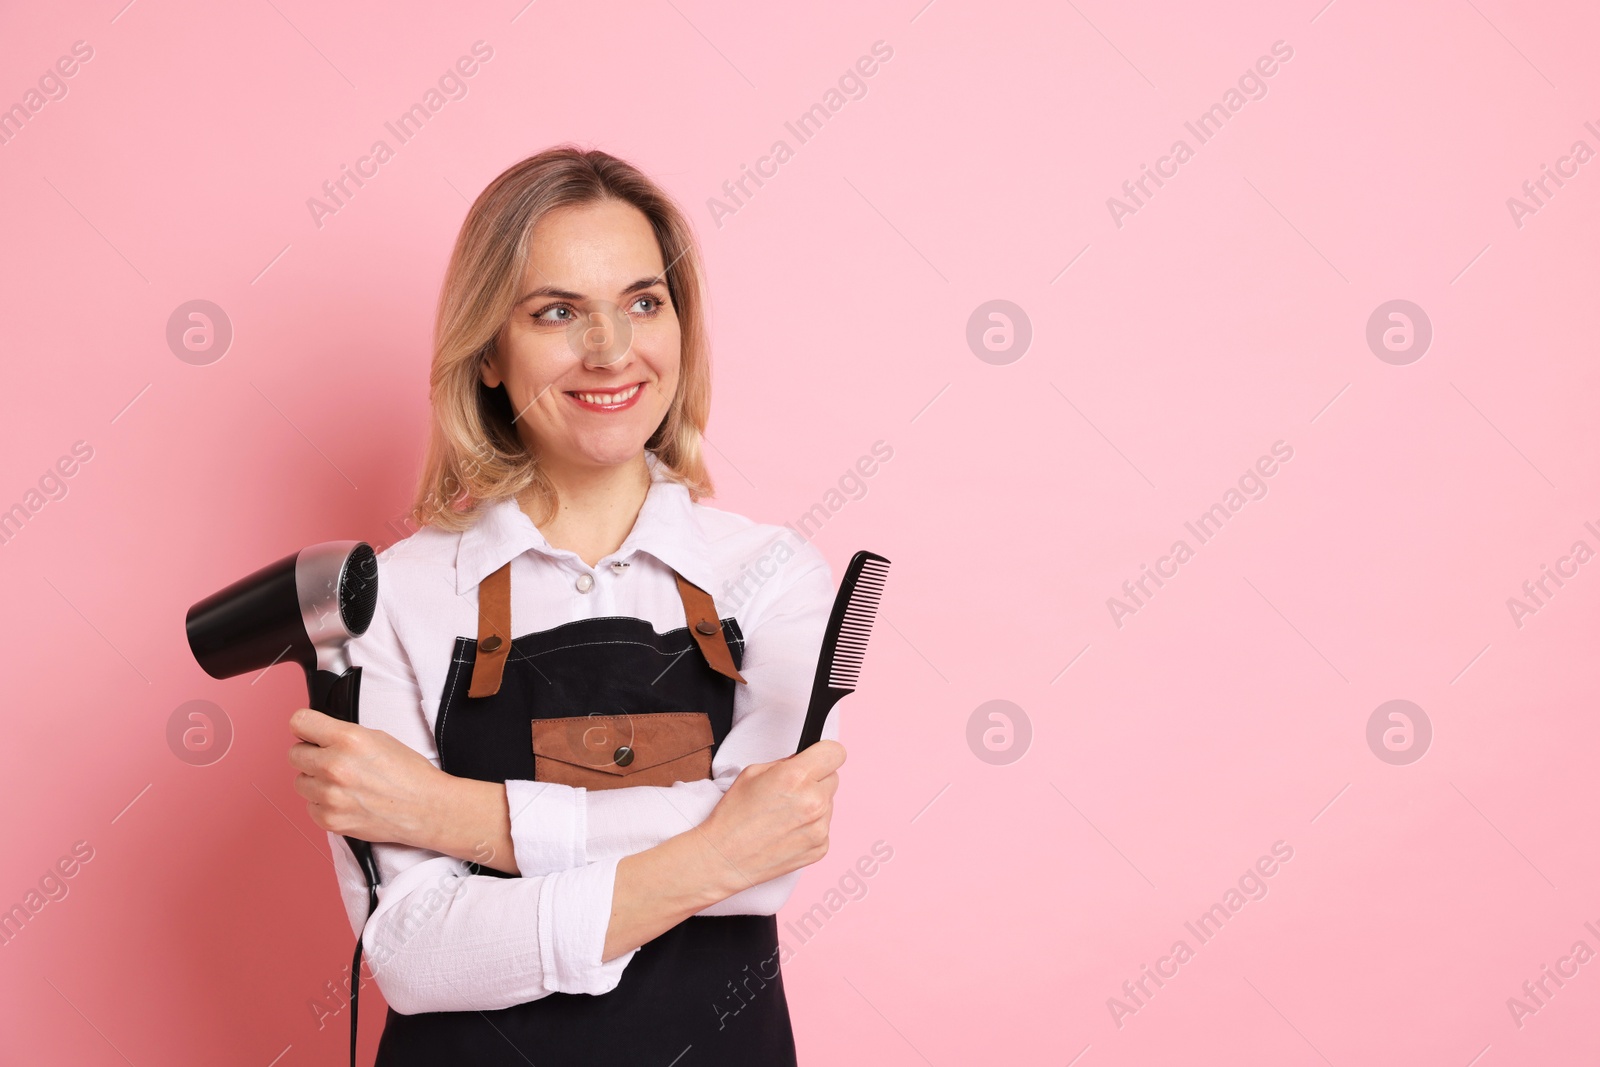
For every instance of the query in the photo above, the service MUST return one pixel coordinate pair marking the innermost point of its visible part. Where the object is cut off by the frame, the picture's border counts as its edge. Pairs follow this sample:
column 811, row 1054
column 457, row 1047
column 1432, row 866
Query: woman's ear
column 488, row 373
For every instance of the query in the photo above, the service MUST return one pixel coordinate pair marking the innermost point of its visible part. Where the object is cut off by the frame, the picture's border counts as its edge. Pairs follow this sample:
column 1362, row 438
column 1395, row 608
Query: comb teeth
column 855, row 628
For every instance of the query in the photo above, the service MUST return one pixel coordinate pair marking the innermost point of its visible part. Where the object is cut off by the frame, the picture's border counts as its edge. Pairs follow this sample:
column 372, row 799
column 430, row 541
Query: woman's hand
column 360, row 782
column 772, row 820
column 365, row 784
column 775, row 817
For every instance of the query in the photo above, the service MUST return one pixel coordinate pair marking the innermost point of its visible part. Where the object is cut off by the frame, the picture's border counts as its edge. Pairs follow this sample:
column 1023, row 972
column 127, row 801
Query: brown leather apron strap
column 701, row 612
column 494, row 631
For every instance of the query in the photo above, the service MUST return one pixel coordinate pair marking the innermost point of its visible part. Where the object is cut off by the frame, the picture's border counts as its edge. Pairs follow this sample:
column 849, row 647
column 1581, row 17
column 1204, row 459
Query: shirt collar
column 666, row 528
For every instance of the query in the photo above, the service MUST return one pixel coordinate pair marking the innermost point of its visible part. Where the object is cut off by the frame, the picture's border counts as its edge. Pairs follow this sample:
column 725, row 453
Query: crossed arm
column 601, row 873
column 773, row 819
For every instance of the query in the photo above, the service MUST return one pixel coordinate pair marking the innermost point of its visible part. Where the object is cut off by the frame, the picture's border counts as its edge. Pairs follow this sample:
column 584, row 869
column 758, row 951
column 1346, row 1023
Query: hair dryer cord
column 339, row 695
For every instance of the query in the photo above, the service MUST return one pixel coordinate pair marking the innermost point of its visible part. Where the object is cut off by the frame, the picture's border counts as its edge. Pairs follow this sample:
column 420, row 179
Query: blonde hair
column 475, row 456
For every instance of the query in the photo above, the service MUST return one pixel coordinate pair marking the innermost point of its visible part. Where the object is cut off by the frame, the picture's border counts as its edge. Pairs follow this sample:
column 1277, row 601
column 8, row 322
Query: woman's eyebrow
column 567, row 294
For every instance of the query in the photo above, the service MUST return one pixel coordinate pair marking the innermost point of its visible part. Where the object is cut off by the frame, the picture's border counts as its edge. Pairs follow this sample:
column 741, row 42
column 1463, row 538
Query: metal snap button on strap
column 623, row 756
column 490, row 643
column 585, row 582
column 705, row 626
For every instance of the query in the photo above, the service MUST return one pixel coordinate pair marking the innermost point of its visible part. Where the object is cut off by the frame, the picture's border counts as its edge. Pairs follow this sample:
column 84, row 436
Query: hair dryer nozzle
column 303, row 609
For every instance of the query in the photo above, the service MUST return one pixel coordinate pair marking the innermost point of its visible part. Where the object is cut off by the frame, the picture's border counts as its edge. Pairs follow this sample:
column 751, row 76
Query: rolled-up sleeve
column 445, row 939
column 548, row 825
column 554, row 827
column 442, row 939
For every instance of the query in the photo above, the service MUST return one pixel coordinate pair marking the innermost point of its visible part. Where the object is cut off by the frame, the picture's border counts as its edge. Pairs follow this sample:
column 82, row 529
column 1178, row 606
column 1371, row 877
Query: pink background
column 1229, row 312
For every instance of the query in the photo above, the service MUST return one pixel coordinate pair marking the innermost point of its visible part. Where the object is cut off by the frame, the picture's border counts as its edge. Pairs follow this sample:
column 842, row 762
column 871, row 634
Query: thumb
column 822, row 758
column 311, row 725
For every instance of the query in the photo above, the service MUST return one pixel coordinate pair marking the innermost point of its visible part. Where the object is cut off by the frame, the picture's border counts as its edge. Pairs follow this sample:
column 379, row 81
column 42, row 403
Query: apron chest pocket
column 612, row 751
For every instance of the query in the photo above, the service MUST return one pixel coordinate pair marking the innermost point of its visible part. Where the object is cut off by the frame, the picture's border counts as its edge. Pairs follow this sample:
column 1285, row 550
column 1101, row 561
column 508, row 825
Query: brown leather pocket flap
column 622, row 746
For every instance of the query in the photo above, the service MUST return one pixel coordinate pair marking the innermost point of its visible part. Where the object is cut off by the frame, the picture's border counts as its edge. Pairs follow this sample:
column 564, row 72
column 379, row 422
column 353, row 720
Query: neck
column 595, row 507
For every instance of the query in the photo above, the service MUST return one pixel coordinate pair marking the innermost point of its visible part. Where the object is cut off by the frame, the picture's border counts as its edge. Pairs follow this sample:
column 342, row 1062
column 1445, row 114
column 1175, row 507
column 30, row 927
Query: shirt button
column 585, row 582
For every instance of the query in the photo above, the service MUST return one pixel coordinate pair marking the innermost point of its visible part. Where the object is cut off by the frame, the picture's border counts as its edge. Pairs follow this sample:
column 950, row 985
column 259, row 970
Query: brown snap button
column 623, row 756
column 706, row 627
column 490, row 643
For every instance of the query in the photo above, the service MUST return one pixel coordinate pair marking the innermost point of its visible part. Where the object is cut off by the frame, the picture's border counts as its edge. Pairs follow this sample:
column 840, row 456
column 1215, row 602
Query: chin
column 610, row 453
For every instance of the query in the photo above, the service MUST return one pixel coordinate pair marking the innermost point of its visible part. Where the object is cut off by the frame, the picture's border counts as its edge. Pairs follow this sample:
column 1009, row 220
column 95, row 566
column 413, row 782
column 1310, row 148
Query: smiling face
column 590, row 355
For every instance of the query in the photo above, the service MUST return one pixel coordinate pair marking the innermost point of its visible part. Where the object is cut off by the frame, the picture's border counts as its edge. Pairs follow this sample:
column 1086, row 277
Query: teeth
column 608, row 398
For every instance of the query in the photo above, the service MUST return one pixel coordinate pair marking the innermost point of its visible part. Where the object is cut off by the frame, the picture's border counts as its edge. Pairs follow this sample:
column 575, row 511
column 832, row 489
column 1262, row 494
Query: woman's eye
column 564, row 313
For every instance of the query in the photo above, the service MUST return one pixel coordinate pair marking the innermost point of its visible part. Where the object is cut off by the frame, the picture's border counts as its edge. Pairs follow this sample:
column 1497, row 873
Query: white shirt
column 443, row 940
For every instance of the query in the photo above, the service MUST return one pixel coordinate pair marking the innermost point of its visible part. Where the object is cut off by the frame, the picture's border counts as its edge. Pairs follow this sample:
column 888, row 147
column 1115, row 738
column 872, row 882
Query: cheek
column 661, row 353
column 533, row 363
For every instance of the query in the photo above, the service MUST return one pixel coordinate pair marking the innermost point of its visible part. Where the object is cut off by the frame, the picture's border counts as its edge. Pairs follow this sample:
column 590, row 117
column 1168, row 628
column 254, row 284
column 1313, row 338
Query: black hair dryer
column 303, row 609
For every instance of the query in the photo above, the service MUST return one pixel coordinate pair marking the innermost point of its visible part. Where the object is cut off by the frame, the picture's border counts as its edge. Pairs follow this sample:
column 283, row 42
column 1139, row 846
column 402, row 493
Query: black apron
column 709, row 991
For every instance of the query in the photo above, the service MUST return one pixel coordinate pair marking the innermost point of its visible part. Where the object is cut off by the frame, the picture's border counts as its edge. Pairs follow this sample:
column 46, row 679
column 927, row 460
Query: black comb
column 844, row 645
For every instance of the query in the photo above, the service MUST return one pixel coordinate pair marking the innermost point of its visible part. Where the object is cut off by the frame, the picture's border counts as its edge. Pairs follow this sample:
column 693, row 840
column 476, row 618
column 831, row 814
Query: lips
column 617, row 398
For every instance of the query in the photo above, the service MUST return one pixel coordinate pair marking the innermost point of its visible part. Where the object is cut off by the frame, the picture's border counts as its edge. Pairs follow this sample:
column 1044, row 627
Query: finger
column 314, row 760
column 755, row 770
column 312, row 789
column 315, row 727
column 822, row 758
column 319, row 815
column 309, row 758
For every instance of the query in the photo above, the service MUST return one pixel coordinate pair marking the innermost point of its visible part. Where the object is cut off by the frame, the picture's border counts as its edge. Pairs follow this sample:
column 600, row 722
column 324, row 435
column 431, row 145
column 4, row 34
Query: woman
column 559, row 587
